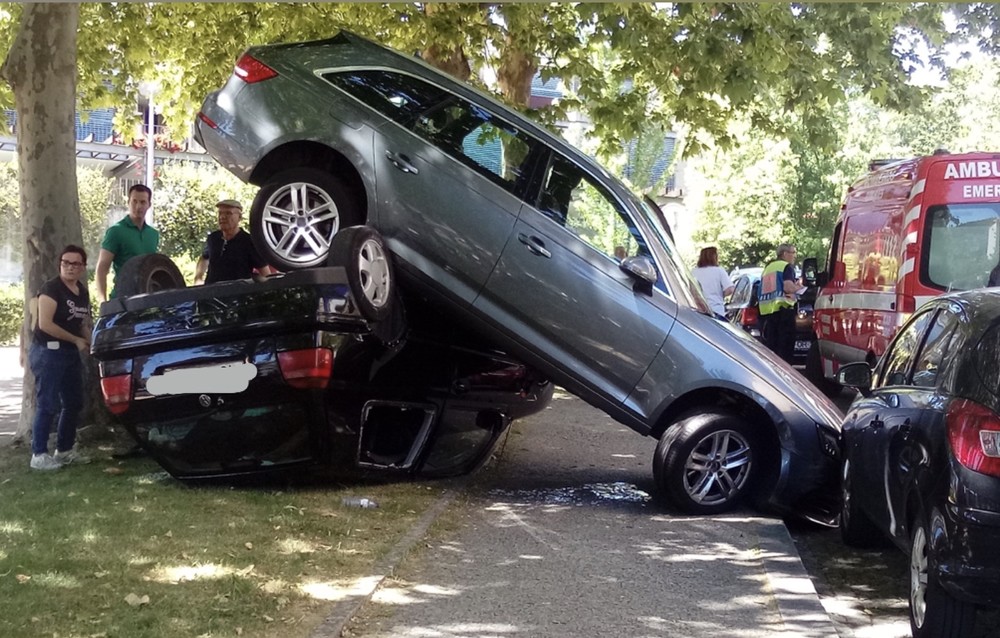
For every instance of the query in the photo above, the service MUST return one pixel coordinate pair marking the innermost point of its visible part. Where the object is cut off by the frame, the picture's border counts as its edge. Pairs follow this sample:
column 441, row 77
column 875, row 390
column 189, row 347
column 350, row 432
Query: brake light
column 306, row 369
column 974, row 436
column 749, row 317
column 207, row 120
column 251, row 70
column 117, row 392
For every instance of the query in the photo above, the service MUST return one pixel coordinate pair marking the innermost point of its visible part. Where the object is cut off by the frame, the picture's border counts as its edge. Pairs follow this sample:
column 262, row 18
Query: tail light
column 251, row 70
column 117, row 392
column 207, row 120
column 306, row 369
column 974, row 435
column 749, row 319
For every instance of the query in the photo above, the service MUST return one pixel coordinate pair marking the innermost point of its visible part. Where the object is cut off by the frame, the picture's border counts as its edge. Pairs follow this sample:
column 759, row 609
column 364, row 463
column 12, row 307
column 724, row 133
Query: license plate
column 228, row 378
column 802, row 345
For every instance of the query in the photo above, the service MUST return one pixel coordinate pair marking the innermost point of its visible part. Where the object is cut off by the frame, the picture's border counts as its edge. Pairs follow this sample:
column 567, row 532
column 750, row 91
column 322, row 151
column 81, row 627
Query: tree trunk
column 517, row 69
column 41, row 69
column 452, row 61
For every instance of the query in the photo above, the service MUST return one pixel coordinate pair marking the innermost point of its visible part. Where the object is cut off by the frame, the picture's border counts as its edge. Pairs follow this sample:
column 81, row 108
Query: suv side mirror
column 809, row 270
column 641, row 268
column 856, row 375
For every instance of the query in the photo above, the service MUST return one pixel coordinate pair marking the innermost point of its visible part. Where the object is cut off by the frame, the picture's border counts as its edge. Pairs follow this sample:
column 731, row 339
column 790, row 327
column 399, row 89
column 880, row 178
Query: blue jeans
column 58, row 392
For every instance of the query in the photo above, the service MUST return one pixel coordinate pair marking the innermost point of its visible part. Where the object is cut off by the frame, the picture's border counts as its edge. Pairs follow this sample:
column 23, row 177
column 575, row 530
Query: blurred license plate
column 228, row 378
column 801, row 345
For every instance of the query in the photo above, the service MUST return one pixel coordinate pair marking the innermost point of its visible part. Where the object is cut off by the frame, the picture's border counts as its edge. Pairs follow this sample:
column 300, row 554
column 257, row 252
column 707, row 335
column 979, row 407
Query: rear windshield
column 963, row 245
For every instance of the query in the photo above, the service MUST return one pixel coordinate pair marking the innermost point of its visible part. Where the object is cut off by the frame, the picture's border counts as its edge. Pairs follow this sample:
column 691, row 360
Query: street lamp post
column 148, row 90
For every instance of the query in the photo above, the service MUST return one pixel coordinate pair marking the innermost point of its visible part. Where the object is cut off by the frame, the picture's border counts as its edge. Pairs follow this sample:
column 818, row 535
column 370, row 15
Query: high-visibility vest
column 772, row 289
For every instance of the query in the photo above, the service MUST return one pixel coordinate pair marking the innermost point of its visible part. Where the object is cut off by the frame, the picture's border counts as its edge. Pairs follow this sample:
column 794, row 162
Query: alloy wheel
column 918, row 576
column 299, row 221
column 374, row 270
column 718, row 468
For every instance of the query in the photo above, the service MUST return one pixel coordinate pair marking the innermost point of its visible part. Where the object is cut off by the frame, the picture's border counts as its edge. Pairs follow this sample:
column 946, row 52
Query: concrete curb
column 343, row 611
column 799, row 605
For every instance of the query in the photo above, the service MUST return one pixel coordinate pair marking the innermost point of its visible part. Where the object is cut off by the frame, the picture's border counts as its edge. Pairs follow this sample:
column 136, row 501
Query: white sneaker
column 70, row 456
column 44, row 462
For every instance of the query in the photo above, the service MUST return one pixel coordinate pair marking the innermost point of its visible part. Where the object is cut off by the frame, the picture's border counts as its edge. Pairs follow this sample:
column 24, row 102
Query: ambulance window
column 869, row 251
column 963, row 245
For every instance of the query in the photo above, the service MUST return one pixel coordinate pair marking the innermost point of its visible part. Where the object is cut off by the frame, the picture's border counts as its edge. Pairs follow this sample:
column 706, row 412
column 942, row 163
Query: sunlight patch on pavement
column 333, row 590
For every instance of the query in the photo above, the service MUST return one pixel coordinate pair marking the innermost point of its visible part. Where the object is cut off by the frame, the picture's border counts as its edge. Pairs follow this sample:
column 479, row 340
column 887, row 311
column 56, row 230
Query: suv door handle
column 402, row 162
column 534, row 244
column 877, row 423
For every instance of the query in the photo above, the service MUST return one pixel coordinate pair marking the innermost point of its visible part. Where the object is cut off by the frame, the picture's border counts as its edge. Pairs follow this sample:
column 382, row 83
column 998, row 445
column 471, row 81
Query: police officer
column 778, row 285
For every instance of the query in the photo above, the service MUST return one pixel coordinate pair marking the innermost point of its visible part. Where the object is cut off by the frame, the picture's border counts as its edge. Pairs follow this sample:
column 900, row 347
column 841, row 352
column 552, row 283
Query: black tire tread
column 950, row 617
column 148, row 273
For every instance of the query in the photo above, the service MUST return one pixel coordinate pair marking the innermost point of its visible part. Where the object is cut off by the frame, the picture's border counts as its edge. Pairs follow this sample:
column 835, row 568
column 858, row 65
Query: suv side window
column 572, row 198
column 478, row 139
column 898, row 359
column 395, row 95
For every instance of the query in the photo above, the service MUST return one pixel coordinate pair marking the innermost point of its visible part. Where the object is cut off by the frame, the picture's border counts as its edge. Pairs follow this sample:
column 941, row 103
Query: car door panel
column 574, row 306
column 451, row 224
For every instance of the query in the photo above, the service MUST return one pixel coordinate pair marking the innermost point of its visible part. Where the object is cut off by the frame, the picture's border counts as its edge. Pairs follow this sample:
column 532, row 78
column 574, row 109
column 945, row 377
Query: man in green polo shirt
column 126, row 239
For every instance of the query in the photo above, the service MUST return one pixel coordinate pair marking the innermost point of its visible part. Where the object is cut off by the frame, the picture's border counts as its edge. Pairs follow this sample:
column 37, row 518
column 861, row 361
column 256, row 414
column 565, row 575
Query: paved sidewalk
column 11, row 377
column 560, row 539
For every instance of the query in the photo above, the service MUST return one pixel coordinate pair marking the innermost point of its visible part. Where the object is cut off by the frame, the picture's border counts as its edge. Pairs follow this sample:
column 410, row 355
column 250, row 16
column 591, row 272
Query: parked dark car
column 921, row 462
column 741, row 309
column 512, row 232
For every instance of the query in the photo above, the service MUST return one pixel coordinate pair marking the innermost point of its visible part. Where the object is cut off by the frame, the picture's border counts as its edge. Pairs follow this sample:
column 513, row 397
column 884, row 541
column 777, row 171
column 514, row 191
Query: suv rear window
column 397, row 96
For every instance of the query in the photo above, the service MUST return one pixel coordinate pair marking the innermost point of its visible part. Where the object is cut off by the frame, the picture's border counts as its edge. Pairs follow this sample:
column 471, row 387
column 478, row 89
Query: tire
column 688, row 464
column 856, row 527
column 148, row 273
column 296, row 215
column 814, row 372
column 362, row 253
column 934, row 613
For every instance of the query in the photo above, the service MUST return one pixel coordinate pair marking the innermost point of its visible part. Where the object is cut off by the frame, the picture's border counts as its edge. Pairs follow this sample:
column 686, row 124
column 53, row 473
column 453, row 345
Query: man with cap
column 229, row 252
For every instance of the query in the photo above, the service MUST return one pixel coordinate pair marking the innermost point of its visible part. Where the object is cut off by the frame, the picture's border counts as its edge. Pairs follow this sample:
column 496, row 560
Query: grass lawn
column 119, row 549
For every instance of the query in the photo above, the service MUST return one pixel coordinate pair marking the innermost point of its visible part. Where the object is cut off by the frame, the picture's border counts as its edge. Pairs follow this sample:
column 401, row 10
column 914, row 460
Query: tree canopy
column 691, row 65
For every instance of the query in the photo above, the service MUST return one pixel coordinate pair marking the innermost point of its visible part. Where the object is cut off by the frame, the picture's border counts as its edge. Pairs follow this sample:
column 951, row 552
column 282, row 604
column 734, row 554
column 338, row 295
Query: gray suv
column 514, row 232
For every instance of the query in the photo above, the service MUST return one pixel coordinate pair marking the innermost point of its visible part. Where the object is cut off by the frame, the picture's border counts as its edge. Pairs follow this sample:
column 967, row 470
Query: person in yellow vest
column 776, row 303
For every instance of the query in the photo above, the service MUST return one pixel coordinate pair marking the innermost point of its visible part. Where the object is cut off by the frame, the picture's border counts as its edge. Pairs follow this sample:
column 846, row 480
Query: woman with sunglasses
column 61, row 333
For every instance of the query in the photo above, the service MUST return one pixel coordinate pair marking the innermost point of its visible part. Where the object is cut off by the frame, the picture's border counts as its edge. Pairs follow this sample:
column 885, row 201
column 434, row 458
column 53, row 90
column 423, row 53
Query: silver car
column 514, row 232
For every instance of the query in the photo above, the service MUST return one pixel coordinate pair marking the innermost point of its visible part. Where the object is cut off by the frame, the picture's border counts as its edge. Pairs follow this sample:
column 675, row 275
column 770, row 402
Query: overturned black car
column 247, row 376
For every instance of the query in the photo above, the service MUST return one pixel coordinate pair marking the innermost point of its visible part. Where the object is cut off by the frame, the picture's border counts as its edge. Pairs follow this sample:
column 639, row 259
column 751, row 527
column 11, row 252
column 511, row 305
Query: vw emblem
column 204, row 400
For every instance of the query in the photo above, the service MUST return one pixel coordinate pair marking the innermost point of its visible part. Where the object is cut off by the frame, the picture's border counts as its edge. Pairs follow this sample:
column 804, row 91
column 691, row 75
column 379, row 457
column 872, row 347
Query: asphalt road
column 560, row 538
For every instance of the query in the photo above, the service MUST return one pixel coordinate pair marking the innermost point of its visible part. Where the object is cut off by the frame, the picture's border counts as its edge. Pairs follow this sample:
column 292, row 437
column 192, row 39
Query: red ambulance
column 908, row 231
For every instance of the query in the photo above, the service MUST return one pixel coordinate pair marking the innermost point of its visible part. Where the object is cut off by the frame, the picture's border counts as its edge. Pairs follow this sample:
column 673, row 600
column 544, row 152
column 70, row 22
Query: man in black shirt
column 229, row 252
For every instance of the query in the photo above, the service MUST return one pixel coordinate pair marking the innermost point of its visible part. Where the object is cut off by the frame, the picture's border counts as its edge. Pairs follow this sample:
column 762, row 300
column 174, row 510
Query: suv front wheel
column 707, row 463
column 295, row 215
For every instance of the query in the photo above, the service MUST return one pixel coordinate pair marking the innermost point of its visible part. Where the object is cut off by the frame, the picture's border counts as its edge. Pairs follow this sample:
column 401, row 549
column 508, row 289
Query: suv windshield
column 963, row 245
column 688, row 290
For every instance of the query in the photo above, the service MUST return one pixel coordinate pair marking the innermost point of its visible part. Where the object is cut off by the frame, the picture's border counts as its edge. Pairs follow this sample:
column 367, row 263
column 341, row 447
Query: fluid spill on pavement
column 618, row 492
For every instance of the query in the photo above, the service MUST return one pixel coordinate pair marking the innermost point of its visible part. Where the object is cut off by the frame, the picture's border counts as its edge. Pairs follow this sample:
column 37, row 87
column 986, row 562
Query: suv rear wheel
column 296, row 214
